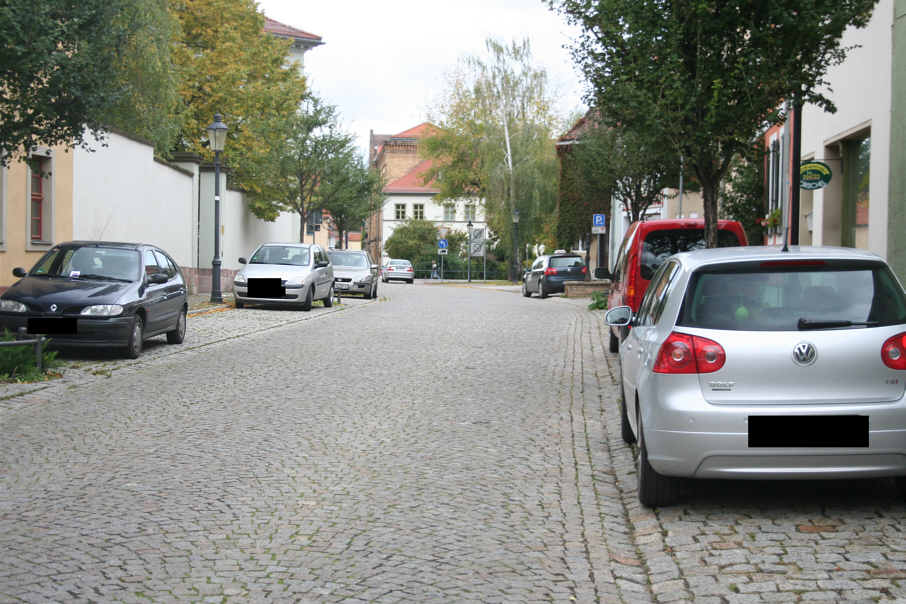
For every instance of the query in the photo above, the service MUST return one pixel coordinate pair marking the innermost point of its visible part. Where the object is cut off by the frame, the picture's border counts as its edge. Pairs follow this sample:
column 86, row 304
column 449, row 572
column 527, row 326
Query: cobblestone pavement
column 441, row 444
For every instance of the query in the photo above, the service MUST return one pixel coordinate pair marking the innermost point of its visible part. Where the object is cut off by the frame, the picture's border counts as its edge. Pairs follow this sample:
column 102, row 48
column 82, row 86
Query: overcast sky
column 383, row 63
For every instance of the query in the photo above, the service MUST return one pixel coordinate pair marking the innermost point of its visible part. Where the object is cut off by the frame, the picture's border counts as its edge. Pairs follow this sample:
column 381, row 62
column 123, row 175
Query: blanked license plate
column 266, row 288
column 53, row 325
column 342, row 286
column 808, row 431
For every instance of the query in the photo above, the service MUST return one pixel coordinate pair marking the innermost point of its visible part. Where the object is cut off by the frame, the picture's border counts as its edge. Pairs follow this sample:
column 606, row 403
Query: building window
column 449, row 211
column 418, row 211
column 401, row 211
column 470, row 211
column 40, row 193
column 856, row 176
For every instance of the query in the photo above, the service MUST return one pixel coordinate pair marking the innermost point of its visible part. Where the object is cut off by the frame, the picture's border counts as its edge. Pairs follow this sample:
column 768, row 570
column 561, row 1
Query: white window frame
column 471, row 212
column 396, row 213
column 416, row 209
column 449, row 212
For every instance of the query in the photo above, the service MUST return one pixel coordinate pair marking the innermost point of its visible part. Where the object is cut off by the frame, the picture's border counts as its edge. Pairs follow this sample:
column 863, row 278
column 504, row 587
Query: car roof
column 726, row 255
column 123, row 244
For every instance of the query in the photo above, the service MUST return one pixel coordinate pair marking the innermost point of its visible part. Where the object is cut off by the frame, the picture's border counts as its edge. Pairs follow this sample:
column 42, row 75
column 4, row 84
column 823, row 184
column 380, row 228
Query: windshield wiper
column 100, row 277
column 804, row 324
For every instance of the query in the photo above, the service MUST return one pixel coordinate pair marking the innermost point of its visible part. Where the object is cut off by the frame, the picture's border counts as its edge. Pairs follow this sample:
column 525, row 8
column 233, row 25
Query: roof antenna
column 786, row 236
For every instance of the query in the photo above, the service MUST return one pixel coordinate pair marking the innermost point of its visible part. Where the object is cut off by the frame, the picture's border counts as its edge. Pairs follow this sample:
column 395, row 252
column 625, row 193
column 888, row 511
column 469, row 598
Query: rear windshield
column 348, row 259
column 660, row 245
column 400, row 263
column 565, row 261
column 769, row 298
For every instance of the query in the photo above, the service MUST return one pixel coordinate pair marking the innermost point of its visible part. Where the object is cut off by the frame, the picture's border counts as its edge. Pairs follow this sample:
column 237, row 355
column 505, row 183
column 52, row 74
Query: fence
column 37, row 343
column 480, row 272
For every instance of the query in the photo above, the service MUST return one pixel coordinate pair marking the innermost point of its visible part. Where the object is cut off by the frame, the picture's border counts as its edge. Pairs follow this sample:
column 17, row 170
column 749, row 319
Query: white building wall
column 861, row 90
column 434, row 212
column 121, row 193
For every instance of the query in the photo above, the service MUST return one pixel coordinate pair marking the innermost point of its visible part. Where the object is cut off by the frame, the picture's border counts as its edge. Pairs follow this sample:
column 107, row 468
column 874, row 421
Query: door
column 155, row 297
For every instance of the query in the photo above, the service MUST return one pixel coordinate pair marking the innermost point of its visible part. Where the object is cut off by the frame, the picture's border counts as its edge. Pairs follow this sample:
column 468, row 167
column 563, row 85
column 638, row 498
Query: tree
column 308, row 147
column 415, row 240
column 707, row 75
column 496, row 139
column 743, row 199
column 230, row 66
column 346, row 190
column 62, row 67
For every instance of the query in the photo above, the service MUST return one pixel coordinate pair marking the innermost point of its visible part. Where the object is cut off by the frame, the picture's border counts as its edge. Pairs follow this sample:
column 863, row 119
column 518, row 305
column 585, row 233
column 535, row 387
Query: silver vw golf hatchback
column 760, row 363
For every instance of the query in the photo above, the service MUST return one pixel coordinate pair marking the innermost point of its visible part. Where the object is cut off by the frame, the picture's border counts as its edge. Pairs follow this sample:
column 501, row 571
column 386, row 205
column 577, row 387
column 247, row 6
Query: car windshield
column 350, row 259
column 771, row 297
column 565, row 261
column 660, row 245
column 89, row 262
column 292, row 255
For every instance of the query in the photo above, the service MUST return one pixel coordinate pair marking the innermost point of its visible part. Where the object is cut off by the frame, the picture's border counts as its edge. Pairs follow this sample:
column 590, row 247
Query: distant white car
column 291, row 274
column 398, row 269
column 755, row 363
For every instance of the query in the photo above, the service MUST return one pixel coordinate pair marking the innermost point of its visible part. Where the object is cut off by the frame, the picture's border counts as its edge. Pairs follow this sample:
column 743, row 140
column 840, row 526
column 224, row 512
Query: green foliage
column 228, row 65
column 707, row 76
column 301, row 169
column 346, row 190
column 598, row 301
column 61, row 69
column 496, row 140
column 414, row 240
column 17, row 363
column 744, row 198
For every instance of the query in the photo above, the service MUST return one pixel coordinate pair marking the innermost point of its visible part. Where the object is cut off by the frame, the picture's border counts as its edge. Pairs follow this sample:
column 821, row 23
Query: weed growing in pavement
column 598, row 301
column 17, row 363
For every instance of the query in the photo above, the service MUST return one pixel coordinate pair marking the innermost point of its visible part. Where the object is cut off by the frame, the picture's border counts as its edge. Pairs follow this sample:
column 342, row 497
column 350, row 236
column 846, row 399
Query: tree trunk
column 709, row 195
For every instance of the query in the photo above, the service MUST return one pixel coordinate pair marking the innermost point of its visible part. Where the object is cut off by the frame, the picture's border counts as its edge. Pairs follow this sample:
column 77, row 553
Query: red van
column 647, row 244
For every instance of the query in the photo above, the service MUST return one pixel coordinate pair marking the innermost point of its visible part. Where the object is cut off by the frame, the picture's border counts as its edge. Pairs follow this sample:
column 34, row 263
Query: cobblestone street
column 443, row 443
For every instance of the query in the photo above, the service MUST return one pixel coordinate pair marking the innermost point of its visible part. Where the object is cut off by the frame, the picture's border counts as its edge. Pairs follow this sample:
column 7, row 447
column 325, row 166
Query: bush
column 17, row 363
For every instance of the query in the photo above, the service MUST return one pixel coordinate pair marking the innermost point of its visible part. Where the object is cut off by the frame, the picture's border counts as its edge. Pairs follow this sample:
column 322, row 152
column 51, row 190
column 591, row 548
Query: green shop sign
column 814, row 175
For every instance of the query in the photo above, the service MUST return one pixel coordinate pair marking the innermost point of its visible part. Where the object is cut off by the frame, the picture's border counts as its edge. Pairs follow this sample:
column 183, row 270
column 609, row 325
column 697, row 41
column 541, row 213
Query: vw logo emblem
column 53, row 308
column 804, row 353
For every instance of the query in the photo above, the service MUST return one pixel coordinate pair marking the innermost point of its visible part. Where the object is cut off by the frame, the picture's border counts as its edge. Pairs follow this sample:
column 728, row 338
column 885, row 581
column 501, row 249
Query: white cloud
column 383, row 63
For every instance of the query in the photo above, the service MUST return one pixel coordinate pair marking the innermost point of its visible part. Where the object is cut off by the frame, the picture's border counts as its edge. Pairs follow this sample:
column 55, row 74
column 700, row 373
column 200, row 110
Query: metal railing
column 23, row 340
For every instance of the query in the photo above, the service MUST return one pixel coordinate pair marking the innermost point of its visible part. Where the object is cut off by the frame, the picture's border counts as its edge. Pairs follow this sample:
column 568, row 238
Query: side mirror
column 374, row 267
column 243, row 261
column 602, row 273
column 158, row 278
column 321, row 264
column 621, row 316
column 19, row 272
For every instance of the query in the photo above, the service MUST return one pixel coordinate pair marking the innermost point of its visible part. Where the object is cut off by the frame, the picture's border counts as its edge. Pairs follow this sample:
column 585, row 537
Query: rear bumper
column 687, row 436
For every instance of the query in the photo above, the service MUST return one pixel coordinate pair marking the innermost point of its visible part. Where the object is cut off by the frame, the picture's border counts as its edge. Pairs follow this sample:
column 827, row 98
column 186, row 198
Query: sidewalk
column 202, row 302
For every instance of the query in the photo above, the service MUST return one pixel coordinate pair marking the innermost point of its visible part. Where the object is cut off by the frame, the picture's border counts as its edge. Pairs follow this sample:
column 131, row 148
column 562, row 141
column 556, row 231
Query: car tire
column 614, row 342
column 179, row 334
column 368, row 295
column 136, row 338
column 625, row 427
column 328, row 301
column 525, row 291
column 411, row 281
column 238, row 303
column 655, row 490
column 374, row 292
column 306, row 304
column 541, row 292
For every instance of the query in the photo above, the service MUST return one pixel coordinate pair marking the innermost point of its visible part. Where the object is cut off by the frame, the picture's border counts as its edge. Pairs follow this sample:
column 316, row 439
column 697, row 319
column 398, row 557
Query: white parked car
column 755, row 363
column 292, row 274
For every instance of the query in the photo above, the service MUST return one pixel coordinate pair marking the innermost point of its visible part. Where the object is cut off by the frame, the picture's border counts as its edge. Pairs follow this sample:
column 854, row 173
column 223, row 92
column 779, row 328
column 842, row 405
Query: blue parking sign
column 598, row 220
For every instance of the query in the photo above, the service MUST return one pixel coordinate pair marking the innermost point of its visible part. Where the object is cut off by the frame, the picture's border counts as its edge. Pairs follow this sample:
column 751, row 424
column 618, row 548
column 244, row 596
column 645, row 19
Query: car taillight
column 893, row 352
column 682, row 353
column 409, row 270
column 584, row 269
column 550, row 271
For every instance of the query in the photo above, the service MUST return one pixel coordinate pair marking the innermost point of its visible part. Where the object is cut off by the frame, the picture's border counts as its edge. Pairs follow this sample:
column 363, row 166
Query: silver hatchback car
column 285, row 274
column 354, row 273
column 758, row 363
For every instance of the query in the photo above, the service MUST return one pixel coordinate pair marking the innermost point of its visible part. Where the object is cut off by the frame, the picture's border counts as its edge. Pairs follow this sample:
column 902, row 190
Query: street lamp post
column 516, row 245
column 469, row 227
column 217, row 138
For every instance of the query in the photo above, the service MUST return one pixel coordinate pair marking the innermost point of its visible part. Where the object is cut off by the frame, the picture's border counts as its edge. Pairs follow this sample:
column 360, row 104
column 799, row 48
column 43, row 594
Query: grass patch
column 17, row 363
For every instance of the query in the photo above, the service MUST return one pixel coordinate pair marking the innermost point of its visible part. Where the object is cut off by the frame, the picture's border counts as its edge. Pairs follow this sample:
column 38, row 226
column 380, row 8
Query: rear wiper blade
column 803, row 324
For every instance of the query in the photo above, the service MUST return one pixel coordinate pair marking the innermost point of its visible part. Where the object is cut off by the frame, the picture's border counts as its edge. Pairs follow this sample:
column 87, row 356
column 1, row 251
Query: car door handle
column 628, row 346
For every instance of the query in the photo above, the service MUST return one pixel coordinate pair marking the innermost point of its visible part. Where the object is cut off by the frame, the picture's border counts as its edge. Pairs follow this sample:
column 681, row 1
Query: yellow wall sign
column 814, row 175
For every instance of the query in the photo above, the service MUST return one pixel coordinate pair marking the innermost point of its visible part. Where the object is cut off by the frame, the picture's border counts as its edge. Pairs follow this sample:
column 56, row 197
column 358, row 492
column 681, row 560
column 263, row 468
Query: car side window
column 151, row 266
column 652, row 303
column 164, row 264
column 538, row 264
column 663, row 291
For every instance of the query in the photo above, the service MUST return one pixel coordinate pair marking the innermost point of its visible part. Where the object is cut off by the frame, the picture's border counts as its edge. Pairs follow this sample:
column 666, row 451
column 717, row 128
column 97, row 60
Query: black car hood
column 38, row 293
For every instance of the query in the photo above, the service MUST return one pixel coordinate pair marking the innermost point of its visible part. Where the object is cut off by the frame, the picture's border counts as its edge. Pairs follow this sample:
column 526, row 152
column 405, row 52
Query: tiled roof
column 279, row 29
column 583, row 125
column 411, row 182
column 422, row 130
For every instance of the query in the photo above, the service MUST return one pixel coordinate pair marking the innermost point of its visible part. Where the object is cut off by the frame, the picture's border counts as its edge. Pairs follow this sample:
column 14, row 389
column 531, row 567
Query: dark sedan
column 548, row 274
column 99, row 294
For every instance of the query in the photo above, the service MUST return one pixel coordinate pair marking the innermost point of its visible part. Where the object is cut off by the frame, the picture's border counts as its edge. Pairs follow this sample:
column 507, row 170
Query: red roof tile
column 279, row 29
column 422, row 130
column 411, row 182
